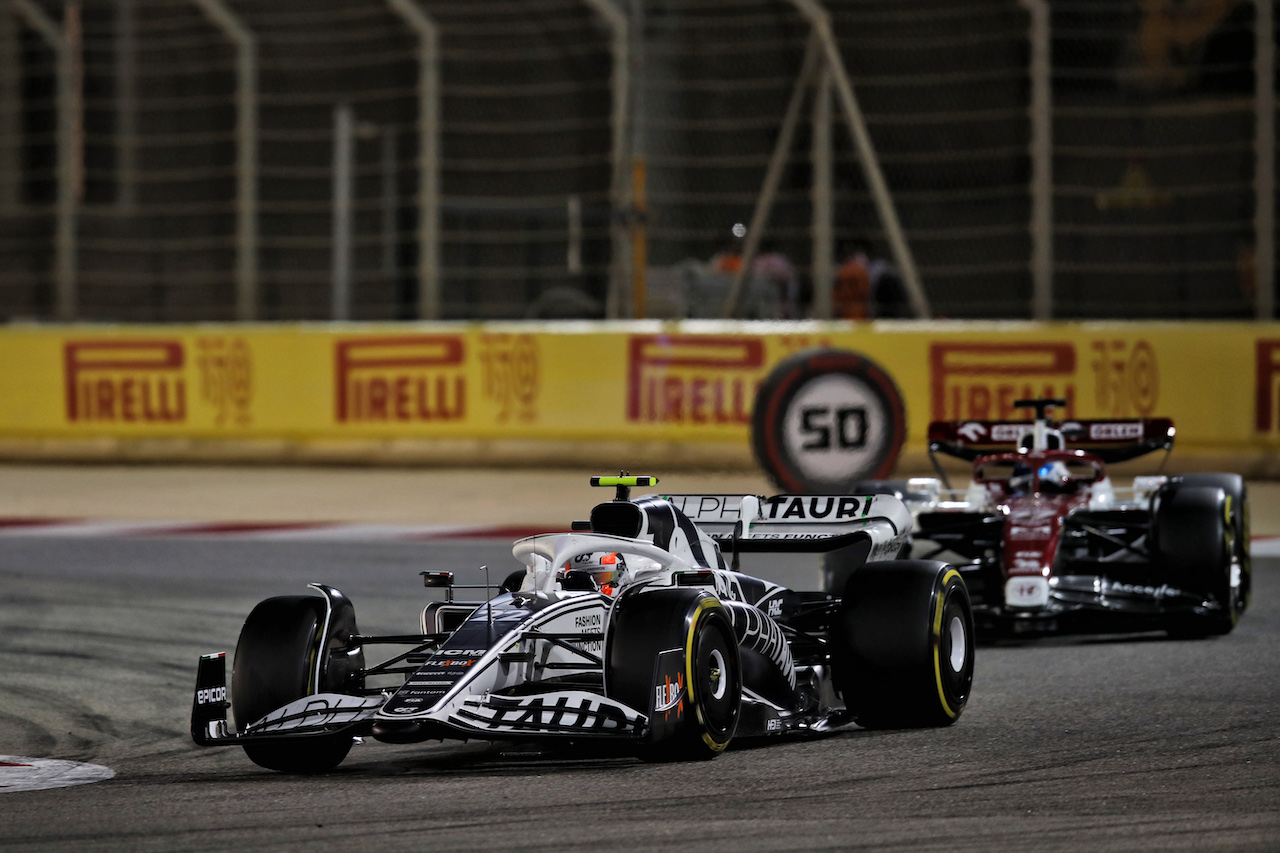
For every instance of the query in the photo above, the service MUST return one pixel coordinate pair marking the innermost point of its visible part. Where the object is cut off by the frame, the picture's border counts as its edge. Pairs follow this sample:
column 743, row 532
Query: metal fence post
column 428, row 155
column 10, row 113
column 823, row 208
column 1264, row 219
column 1041, row 160
column 69, row 167
column 246, row 153
column 343, row 179
column 126, row 71
column 619, row 183
column 821, row 23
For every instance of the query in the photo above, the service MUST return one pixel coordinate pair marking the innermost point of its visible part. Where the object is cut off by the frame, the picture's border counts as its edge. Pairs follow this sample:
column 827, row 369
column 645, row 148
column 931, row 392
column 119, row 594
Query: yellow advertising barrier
column 673, row 392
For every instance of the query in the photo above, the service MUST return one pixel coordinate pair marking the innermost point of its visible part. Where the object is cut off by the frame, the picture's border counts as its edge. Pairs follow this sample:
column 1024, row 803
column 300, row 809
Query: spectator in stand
column 774, row 267
column 728, row 260
column 851, row 299
column 867, row 287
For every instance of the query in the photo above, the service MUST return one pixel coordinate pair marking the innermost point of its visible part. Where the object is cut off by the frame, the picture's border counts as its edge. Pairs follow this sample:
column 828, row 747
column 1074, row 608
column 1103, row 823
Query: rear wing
column 799, row 523
column 1114, row 440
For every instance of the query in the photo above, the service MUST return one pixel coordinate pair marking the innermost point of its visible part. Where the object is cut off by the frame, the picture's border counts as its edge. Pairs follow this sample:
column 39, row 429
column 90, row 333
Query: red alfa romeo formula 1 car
column 1047, row 543
column 630, row 629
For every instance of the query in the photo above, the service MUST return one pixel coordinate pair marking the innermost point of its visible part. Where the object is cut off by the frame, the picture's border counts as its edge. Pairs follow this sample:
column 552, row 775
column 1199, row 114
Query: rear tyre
column 275, row 664
column 646, row 623
column 903, row 645
column 1196, row 539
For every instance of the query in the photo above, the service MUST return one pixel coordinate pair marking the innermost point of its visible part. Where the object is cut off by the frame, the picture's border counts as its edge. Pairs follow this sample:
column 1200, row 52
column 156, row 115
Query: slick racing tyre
column 688, row 631
column 1237, row 510
column 275, row 664
column 903, row 645
column 1196, row 537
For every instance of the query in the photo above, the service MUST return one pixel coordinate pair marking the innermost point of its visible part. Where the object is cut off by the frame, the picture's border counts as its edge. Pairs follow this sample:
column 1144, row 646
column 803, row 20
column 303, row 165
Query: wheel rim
column 717, row 676
column 714, row 681
column 955, row 677
column 958, row 647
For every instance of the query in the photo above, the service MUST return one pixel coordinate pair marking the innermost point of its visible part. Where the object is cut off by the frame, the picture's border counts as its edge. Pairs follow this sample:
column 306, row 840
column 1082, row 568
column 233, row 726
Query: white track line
column 271, row 531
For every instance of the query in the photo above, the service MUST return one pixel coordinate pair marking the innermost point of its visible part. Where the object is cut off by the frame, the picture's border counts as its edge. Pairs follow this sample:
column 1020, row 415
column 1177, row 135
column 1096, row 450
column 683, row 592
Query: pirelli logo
column 403, row 379
column 982, row 381
column 125, row 381
column 692, row 379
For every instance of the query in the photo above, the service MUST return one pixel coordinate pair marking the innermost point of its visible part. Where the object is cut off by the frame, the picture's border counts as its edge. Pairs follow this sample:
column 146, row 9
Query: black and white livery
column 631, row 628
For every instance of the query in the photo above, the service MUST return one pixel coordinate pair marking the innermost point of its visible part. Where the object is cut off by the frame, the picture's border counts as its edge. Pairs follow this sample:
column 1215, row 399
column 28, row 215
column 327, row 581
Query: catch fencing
column 193, row 160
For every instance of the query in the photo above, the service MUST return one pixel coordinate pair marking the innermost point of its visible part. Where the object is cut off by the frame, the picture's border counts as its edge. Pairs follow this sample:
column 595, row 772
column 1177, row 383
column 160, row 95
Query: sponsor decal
column 404, row 379
column 824, row 509
column 510, row 375
column 1266, row 417
column 1026, row 561
column 1027, row 592
column 727, row 587
column 757, row 631
column 774, row 608
column 692, row 379
column 1002, row 433
column 1126, row 380
column 210, row 695
column 971, row 381
column 707, row 508
column 569, row 711
column 325, row 709
column 1162, row 591
column 889, row 549
column 1115, row 432
column 226, row 378
column 589, row 622
column 669, row 695
column 125, row 381
column 773, row 724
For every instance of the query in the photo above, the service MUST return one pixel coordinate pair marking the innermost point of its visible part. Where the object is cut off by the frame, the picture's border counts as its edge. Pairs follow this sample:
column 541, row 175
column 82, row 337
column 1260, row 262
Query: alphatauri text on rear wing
column 748, row 523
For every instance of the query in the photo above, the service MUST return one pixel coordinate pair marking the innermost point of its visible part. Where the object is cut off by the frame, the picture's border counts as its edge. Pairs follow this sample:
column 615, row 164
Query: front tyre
column 1196, row 536
column 903, row 645
column 275, row 664
column 646, row 623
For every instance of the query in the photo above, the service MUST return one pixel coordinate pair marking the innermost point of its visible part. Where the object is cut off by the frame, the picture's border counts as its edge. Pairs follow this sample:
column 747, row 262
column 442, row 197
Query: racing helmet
column 1020, row 479
column 1054, row 477
column 598, row 571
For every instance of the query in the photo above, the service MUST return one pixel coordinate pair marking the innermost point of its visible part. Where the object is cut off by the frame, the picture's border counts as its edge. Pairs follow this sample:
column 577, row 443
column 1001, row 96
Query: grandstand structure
column 205, row 160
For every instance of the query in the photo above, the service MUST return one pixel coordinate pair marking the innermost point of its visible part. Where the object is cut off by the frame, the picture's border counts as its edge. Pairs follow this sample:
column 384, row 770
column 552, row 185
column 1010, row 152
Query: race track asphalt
column 1126, row 744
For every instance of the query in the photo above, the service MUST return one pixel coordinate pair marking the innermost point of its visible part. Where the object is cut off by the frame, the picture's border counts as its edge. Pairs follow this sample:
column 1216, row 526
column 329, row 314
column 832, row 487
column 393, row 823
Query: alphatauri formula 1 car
column 1046, row 543
column 630, row 628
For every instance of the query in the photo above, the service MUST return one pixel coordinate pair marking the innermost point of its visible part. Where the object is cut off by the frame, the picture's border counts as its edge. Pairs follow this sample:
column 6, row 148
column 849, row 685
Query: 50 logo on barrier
column 825, row 419
column 823, row 427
